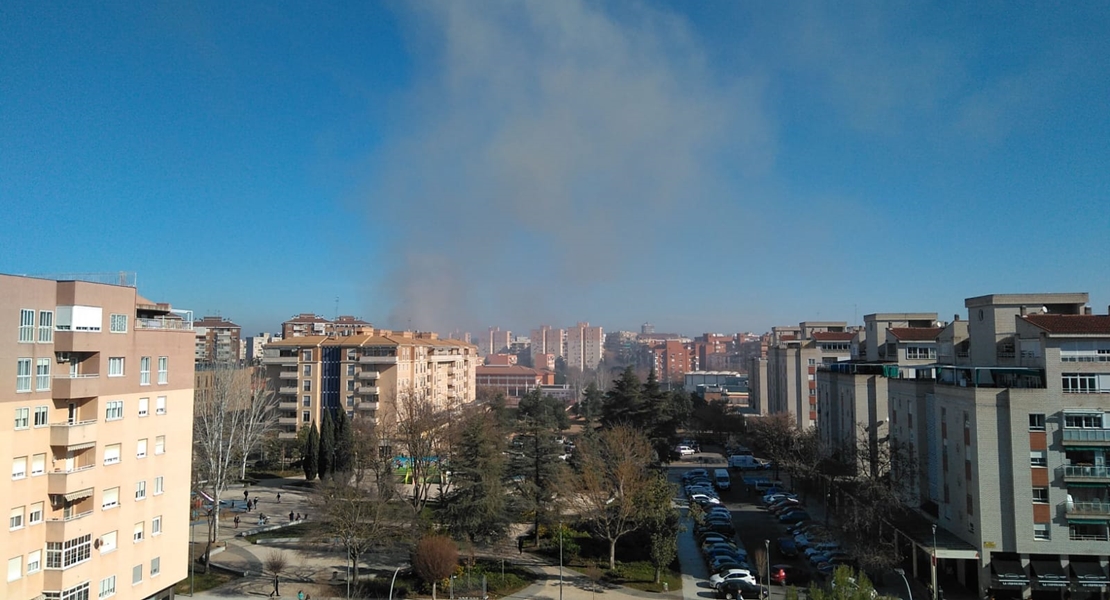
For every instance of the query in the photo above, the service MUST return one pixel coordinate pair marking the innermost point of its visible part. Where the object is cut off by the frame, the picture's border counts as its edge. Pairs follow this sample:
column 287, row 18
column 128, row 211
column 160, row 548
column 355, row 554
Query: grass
column 634, row 568
column 204, row 581
column 516, row 578
column 299, row 530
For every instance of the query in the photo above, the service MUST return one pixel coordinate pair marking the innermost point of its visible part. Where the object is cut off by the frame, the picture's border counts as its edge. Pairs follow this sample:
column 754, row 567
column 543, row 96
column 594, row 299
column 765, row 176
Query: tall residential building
column 253, row 345
column 585, row 346
column 498, row 341
column 99, row 396
column 547, row 340
column 308, row 324
column 367, row 375
column 217, row 340
column 792, row 361
column 671, row 360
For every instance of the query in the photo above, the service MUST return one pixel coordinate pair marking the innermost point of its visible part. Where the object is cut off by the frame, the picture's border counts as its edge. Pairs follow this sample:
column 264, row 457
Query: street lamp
column 767, row 560
column 906, row 581
column 934, row 569
column 560, row 560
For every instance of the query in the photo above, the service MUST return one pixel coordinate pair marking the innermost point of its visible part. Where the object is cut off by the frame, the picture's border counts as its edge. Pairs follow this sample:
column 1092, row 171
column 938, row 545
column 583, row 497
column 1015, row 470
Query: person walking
column 275, row 592
column 520, row 544
column 279, row 497
column 237, row 521
column 290, row 516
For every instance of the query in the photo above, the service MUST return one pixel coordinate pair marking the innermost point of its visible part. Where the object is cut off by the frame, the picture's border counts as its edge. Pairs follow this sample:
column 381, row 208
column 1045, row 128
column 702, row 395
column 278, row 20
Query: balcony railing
column 288, row 374
column 367, row 389
column 1089, row 537
column 291, row 405
column 1087, row 435
column 72, row 434
column 1084, row 472
column 1085, row 509
column 164, row 323
column 66, row 519
column 377, row 359
column 82, row 385
column 368, row 375
column 287, row 420
column 289, row 389
column 279, row 360
column 62, row 482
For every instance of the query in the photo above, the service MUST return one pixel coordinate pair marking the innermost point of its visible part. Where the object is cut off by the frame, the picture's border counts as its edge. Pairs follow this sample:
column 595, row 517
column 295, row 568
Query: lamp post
column 767, row 560
column 393, row 581
column 906, row 581
column 934, row 561
column 560, row 559
column 192, row 550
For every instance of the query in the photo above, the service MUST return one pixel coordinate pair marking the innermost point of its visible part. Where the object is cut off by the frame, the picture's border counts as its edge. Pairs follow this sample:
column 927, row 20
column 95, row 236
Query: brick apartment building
column 217, row 340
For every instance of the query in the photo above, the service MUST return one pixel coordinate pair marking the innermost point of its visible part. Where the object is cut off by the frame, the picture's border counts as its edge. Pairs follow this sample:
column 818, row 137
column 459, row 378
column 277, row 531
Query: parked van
column 721, row 479
column 747, row 462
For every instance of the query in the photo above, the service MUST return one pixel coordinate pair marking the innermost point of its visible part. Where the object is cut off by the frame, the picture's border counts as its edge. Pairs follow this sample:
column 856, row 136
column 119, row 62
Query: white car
column 699, row 498
column 685, row 450
column 718, row 578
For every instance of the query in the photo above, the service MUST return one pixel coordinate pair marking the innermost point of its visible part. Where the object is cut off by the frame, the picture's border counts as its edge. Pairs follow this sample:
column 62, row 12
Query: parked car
column 784, row 574
column 740, row 588
column 787, row 547
column 827, row 557
column 684, row 450
column 796, row 516
column 692, row 473
column 731, row 574
column 822, row 548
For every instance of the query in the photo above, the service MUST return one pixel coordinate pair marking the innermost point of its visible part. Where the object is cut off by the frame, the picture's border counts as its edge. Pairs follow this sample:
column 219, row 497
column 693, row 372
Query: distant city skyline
column 708, row 167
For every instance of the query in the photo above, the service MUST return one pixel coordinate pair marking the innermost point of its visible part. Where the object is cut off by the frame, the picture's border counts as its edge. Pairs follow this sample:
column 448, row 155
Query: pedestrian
column 255, row 503
column 300, row 594
column 279, row 497
column 298, row 516
column 275, row 592
column 237, row 521
column 245, row 494
column 520, row 544
column 290, row 516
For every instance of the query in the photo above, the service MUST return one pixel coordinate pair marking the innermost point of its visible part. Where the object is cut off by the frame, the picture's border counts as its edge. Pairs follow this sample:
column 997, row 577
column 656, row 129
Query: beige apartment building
column 366, row 375
column 792, row 359
column 585, row 346
column 98, row 394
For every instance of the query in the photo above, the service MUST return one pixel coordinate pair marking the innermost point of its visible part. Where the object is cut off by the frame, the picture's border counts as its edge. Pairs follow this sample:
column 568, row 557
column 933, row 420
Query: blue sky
column 706, row 166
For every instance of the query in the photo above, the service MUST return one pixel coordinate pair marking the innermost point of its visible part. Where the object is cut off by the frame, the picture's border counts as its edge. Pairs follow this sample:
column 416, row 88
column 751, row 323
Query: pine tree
column 623, row 403
column 344, row 442
column 327, row 444
column 535, row 467
column 476, row 506
column 311, row 454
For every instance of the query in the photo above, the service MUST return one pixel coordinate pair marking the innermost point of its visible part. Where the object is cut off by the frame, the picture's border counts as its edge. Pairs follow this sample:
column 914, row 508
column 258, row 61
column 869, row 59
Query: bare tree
column 359, row 518
column 275, row 564
column 258, row 418
column 613, row 481
column 418, row 423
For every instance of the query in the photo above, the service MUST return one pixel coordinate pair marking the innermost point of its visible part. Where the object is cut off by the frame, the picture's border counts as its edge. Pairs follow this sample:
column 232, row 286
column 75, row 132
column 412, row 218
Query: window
column 1040, row 531
column 136, row 574
column 144, row 407
column 117, row 324
column 1036, row 422
column 1040, row 495
column 38, row 464
column 15, row 568
column 108, row 542
column 34, row 562
column 23, row 375
column 1083, row 421
column 160, row 405
column 350, row 401
column 107, row 587
column 156, row 525
column 1080, row 383
column 19, row 467
column 35, row 516
column 350, row 385
column 46, row 326
column 1038, row 458
column 77, row 592
column 22, row 418
column 110, row 498
column 306, row 355
column 140, row 451
column 163, row 369
column 138, row 534
column 306, row 370
column 15, row 518
column 158, row 485
column 111, row 454
column 26, row 325
column 72, row 552
column 920, row 352
column 42, row 374
column 967, row 470
column 306, row 401
column 306, row 385
column 306, row 416
column 160, row 444
column 114, row 410
column 115, row 366
column 42, row 416
column 140, row 490
column 144, row 370
column 155, row 566
column 350, row 370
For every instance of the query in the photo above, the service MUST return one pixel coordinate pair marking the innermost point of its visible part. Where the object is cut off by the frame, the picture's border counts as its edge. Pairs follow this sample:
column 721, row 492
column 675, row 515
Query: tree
column 258, row 418
column 359, row 518
column 662, row 523
column 613, row 483
column 327, row 444
column 623, row 403
column 275, row 564
column 589, row 407
column 311, row 453
column 344, row 443
column 418, row 423
column 844, row 585
column 535, row 468
column 435, row 558
column 475, row 509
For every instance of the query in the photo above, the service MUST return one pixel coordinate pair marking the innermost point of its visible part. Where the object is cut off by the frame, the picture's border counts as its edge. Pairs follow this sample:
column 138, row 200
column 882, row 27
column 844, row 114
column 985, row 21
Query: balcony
column 287, row 389
column 287, row 435
column 288, row 374
column 1086, row 437
column 82, row 433
column 291, row 405
column 164, row 324
column 61, row 482
column 279, row 360
column 287, row 421
column 68, row 527
column 1084, row 473
column 77, row 341
column 367, row 389
column 378, row 360
column 367, row 406
column 68, row 386
column 1085, row 510
column 368, row 374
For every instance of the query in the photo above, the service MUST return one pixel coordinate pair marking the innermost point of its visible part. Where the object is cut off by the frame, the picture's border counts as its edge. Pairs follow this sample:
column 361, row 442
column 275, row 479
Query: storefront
column 1008, row 578
column 1089, row 580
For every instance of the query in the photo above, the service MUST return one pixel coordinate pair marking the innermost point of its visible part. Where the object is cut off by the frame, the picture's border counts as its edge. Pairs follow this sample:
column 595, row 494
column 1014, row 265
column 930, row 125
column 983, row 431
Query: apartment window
column 306, row 370
column 110, row 498
column 1083, row 421
column 1040, row 495
column 160, row 405
column 35, row 516
column 158, row 485
column 107, row 587
column 156, row 525
column 947, row 496
column 42, row 375
column 155, row 566
column 38, row 464
column 1036, row 422
column 140, row 490
column 140, row 451
column 22, row 418
column 15, row 518
column 46, row 326
column 115, row 366
column 1040, row 531
column 306, row 416
column 26, row 326
column 351, row 355
column 117, row 324
column 144, row 370
column 19, row 467
column 350, row 401
column 160, row 444
column 306, row 385
column 350, row 385
column 136, row 575
column 306, row 401
column 15, row 568
column 139, row 532
column 920, row 353
column 23, row 375
column 163, row 369
column 108, row 542
column 34, row 562
column 77, row 592
column 1080, row 383
column 113, row 410
column 144, row 407
column 42, row 416
column 111, row 454
column 64, row 555
column 306, row 354
column 1038, row 458
column 350, row 370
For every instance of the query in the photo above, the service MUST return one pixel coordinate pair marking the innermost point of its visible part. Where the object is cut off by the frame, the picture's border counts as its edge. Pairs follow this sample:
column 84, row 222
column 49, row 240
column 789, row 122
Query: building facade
column 547, row 340
column 792, row 359
column 585, row 346
column 308, row 324
column 99, row 397
column 217, row 340
column 513, row 381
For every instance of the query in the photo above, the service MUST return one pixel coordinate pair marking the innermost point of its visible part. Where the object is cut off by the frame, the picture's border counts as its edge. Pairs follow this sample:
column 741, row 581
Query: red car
column 788, row 574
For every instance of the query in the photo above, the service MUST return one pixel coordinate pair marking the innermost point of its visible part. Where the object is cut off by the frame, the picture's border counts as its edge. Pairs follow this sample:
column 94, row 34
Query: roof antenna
column 337, row 308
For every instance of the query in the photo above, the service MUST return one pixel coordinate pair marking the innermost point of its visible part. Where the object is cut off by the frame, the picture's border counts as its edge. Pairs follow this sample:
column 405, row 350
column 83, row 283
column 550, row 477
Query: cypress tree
column 310, row 456
column 327, row 444
column 344, row 442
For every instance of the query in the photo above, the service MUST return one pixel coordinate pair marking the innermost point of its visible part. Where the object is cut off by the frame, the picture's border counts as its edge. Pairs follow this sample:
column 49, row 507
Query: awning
column 1089, row 574
column 1050, row 573
column 80, row 446
column 85, row 493
column 1008, row 572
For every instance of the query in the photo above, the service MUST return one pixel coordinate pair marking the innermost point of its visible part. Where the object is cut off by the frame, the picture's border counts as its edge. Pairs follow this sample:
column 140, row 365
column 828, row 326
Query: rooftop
column 1071, row 324
column 916, row 334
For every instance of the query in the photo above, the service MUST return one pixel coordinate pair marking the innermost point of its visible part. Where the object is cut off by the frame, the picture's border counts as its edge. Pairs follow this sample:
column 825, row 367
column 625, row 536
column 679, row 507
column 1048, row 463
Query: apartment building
column 217, row 340
column 672, row 360
column 585, row 346
column 99, row 431
column 547, row 340
column 366, row 375
column 792, row 359
column 308, row 324
column 253, row 344
column 497, row 341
